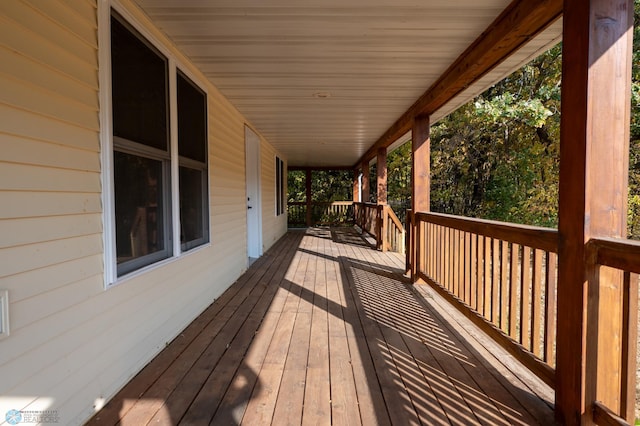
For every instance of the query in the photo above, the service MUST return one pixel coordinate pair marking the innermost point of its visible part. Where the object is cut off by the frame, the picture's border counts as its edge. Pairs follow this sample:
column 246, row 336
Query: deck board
column 324, row 330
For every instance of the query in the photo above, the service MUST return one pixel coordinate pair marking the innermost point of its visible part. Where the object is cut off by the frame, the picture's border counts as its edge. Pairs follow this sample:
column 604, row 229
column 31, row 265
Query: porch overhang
column 331, row 82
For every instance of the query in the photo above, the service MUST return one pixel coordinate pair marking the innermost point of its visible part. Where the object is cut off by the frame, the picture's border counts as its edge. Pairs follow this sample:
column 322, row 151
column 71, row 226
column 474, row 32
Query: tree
column 497, row 156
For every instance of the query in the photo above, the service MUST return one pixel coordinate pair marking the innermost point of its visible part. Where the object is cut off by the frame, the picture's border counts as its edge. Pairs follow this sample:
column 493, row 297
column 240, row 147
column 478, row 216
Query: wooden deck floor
column 324, row 330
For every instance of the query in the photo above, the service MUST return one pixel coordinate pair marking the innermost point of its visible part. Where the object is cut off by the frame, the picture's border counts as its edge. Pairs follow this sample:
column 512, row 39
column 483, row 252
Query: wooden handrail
column 616, row 252
column 394, row 218
column 393, row 232
column 387, row 237
column 321, row 203
column 532, row 236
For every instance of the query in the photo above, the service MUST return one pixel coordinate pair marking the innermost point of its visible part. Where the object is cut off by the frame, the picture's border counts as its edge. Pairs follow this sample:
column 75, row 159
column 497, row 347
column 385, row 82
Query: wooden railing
column 379, row 221
column 622, row 255
column 502, row 276
column 322, row 213
column 366, row 217
column 393, row 231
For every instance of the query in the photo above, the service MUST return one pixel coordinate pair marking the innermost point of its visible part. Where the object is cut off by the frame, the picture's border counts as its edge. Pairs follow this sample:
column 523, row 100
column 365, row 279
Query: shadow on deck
column 324, row 330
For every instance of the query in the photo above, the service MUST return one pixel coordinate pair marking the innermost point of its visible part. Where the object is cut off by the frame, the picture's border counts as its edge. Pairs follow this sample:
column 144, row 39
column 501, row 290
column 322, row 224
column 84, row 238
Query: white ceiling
column 275, row 59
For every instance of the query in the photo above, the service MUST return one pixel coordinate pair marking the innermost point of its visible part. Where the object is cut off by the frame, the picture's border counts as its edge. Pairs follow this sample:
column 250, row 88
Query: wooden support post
column 381, row 168
column 356, row 185
column 420, row 179
column 308, row 197
column 594, row 150
column 365, row 182
column 420, row 164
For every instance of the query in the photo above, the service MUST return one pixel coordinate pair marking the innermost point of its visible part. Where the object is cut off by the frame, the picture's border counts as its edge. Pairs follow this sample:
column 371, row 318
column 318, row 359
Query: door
column 254, row 213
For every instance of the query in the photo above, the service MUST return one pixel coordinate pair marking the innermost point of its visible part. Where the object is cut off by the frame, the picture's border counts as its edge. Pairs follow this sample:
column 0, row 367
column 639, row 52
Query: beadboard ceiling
column 323, row 80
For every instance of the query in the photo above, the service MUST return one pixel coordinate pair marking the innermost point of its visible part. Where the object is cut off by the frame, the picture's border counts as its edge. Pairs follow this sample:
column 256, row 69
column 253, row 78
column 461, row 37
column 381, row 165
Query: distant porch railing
column 377, row 220
column 504, row 278
column 380, row 221
column 322, row 213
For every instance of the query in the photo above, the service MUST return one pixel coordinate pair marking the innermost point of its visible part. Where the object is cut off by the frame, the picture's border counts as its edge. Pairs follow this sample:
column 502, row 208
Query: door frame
column 253, row 161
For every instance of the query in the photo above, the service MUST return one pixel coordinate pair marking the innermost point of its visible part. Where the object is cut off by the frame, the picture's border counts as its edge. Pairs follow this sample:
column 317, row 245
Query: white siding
column 73, row 343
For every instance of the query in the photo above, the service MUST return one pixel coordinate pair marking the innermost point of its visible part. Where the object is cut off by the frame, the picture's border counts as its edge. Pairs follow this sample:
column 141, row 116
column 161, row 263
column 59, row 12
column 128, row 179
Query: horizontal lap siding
column 227, row 187
column 72, row 343
column 273, row 227
column 51, row 253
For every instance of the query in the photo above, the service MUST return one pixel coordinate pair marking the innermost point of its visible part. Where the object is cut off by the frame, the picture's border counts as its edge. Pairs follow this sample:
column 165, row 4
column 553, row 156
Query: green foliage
column 498, row 156
column 331, row 185
column 399, row 174
column 296, row 186
column 326, row 186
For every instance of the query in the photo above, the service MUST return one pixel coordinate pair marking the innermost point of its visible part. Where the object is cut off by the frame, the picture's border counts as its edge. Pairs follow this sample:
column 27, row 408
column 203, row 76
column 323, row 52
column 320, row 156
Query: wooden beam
column 318, row 168
column 521, row 21
column 594, row 150
column 381, row 169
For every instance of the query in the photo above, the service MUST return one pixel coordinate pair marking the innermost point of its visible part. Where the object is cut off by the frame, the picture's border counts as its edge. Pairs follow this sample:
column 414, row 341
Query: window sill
column 157, row 265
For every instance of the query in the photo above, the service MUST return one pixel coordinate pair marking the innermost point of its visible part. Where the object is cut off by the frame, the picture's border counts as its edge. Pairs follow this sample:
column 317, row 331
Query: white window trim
column 111, row 278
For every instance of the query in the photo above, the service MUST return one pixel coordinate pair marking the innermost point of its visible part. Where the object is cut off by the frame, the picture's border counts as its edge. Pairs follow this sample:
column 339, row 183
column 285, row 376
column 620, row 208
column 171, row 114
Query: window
column 280, row 193
column 143, row 154
column 141, row 158
column 192, row 148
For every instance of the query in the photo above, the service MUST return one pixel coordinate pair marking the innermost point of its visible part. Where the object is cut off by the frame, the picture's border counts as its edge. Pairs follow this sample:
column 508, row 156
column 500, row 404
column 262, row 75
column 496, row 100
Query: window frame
column 193, row 164
column 109, row 143
column 280, row 190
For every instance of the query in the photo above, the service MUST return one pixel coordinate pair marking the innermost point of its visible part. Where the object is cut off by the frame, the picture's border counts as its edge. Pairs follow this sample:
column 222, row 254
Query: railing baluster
column 443, row 254
column 456, row 262
column 629, row 346
column 504, row 288
column 474, row 276
column 461, row 256
column 514, row 293
column 495, row 287
column 550, row 309
column 488, row 285
column 437, row 248
column 525, row 297
column 480, row 272
column 440, row 241
column 536, row 304
column 450, row 260
column 429, row 245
